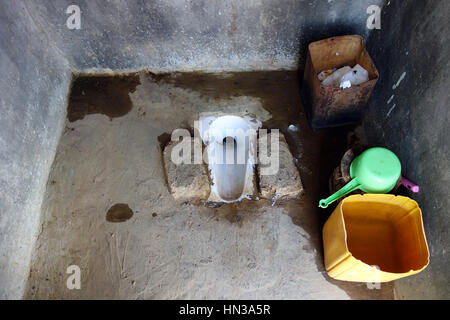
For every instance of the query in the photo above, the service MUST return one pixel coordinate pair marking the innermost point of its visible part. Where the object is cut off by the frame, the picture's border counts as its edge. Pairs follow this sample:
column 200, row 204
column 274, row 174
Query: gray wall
column 414, row 39
column 211, row 35
column 33, row 86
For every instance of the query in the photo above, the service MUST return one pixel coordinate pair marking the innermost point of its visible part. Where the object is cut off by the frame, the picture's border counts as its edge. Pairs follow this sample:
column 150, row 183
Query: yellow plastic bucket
column 375, row 238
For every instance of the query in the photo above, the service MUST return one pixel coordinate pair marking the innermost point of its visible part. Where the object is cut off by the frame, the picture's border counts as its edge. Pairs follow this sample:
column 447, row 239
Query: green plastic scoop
column 376, row 170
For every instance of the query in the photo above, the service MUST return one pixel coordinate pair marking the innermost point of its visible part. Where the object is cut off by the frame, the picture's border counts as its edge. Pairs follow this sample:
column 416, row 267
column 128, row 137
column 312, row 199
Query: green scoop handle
column 349, row 187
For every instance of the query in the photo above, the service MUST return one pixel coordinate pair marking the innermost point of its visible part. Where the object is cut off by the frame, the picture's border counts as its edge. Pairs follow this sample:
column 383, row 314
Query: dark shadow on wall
column 408, row 113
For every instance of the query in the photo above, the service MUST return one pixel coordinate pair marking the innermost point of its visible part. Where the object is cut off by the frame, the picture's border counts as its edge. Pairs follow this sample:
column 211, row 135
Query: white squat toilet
column 231, row 155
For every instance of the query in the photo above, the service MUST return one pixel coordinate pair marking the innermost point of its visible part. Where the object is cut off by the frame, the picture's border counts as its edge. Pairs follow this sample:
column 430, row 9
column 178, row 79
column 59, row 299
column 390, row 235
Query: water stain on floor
column 119, row 212
column 108, row 95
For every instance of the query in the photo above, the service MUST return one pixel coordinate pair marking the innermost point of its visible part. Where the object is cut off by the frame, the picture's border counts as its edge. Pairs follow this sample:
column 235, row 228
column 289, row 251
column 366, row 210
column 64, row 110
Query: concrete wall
column 415, row 123
column 33, row 87
column 196, row 35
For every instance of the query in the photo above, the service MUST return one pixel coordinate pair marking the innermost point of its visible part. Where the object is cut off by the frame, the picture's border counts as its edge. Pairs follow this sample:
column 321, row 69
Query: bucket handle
column 349, row 187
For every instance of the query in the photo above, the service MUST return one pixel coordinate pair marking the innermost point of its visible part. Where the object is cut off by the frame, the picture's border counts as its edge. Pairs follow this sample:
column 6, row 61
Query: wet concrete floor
column 110, row 153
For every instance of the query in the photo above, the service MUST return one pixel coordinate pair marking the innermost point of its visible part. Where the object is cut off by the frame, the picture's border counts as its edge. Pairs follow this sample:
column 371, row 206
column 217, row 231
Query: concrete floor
column 176, row 250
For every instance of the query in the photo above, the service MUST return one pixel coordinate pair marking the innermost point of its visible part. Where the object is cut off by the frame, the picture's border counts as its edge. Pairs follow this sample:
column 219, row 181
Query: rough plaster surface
column 34, row 85
column 286, row 183
column 169, row 248
column 190, row 182
column 186, row 181
column 196, row 35
column 409, row 113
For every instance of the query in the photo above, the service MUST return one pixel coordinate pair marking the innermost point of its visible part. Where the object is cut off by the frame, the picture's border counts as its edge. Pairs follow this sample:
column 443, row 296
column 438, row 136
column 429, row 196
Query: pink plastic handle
column 411, row 186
